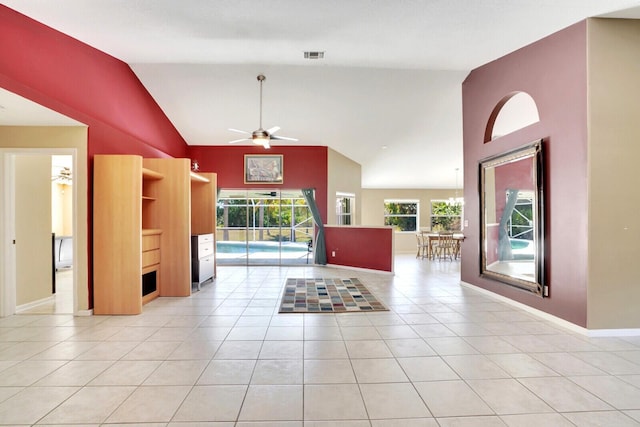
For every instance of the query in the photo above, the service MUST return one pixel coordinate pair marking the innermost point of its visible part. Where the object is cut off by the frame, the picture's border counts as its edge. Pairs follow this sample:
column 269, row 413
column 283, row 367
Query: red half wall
column 362, row 247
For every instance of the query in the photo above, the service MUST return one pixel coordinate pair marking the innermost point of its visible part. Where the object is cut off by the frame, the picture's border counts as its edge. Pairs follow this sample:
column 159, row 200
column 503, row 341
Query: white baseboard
column 556, row 320
column 32, row 304
column 630, row 332
column 50, row 299
column 367, row 270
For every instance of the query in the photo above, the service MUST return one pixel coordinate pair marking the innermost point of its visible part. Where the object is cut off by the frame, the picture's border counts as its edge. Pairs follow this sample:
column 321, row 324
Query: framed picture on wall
column 263, row 169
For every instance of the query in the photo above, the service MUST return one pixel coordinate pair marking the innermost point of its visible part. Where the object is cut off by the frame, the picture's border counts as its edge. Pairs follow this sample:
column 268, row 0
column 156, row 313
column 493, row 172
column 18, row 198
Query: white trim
column 613, row 332
column 366, row 270
column 32, row 304
column 554, row 319
column 7, row 234
column 392, row 200
column 84, row 312
column 345, row 195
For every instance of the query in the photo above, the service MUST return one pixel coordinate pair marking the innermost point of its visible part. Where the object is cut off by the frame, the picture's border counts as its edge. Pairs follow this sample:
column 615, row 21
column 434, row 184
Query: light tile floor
column 444, row 355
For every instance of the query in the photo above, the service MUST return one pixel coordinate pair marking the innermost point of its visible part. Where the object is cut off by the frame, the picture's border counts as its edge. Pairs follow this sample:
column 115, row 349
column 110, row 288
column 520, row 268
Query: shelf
column 150, row 231
column 148, row 198
column 150, row 174
column 198, row 178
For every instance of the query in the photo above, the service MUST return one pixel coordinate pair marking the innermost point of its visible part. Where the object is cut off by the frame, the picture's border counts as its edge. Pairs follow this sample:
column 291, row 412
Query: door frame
column 8, row 228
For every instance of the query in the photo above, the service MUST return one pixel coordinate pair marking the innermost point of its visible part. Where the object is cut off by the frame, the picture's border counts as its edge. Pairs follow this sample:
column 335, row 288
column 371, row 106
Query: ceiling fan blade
column 264, row 142
column 239, row 140
column 240, row 131
column 273, row 130
column 286, row 138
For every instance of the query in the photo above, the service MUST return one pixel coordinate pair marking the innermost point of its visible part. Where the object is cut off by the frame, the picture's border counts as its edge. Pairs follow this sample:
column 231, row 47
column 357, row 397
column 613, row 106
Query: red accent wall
column 554, row 72
column 362, row 247
column 81, row 82
column 302, row 167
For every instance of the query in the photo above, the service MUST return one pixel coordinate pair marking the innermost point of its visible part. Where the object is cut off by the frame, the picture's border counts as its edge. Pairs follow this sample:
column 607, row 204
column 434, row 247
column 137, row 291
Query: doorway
column 263, row 227
column 29, row 283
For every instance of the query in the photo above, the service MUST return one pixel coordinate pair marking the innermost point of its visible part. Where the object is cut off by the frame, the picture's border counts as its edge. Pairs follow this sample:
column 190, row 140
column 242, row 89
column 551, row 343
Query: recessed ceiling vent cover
column 313, row 55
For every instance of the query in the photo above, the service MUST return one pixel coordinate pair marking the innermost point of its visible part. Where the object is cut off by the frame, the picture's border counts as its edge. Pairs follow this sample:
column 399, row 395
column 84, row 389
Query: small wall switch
column 333, row 253
column 466, row 222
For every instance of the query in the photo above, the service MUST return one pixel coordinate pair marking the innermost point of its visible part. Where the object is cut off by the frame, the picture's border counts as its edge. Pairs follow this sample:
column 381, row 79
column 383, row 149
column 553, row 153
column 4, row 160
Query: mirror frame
column 532, row 151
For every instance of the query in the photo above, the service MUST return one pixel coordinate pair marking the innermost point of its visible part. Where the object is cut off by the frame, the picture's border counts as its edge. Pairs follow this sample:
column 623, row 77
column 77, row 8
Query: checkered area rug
column 328, row 295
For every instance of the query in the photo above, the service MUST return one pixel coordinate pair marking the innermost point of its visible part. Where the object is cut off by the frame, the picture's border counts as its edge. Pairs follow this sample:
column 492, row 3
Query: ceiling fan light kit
column 261, row 136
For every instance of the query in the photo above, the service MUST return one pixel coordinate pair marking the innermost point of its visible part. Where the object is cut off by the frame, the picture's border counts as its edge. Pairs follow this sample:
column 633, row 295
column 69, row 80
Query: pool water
column 522, row 249
column 519, row 244
column 226, row 247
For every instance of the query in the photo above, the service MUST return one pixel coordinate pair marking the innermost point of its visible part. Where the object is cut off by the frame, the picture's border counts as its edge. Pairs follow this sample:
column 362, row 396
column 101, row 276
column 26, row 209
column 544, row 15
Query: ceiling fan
column 63, row 176
column 261, row 136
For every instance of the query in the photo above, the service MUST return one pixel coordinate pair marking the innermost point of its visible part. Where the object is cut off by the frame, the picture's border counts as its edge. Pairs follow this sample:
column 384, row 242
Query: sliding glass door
column 263, row 227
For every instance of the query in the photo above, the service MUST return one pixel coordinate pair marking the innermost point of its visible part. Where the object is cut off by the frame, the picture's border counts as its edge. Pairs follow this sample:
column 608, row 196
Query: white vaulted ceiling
column 387, row 93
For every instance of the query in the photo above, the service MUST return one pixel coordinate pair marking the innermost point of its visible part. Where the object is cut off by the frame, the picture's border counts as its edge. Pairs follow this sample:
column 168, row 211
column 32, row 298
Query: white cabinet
column 202, row 258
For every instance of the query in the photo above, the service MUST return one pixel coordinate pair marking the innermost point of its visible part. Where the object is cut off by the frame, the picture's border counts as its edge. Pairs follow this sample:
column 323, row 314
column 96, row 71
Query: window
column 402, row 215
column 345, row 207
column 446, row 215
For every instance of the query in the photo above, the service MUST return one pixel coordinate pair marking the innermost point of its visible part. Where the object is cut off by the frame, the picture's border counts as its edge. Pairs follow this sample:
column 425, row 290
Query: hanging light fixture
column 456, row 200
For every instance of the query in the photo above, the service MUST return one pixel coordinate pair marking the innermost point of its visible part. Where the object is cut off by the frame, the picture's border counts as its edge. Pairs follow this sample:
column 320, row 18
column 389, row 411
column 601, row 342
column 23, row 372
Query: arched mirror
column 511, row 210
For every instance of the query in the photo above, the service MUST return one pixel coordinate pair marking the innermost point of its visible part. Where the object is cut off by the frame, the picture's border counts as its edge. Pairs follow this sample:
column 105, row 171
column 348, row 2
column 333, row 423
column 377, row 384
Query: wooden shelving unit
column 171, row 213
column 117, row 228
column 151, row 174
column 144, row 211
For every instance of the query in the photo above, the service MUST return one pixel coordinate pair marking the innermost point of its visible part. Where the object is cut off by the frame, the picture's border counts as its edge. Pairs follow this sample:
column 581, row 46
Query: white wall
column 344, row 176
column 61, row 209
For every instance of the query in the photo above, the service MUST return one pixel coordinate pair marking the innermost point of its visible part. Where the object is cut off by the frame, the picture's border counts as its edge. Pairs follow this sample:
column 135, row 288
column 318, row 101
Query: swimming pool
column 262, row 253
column 522, row 249
column 229, row 247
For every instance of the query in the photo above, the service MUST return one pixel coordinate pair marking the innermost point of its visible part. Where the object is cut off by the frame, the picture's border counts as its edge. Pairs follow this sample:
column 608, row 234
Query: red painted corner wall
column 302, row 167
column 554, row 72
column 85, row 84
column 361, row 247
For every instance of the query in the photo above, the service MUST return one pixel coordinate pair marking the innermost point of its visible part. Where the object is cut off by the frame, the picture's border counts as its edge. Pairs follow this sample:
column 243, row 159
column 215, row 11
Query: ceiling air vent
column 314, row 55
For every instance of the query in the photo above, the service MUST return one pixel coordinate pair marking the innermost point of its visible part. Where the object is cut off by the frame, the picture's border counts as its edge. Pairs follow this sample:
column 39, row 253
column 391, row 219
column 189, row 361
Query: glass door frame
column 292, row 227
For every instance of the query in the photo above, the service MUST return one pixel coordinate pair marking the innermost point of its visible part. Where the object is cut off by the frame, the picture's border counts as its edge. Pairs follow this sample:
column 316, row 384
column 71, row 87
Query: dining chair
column 430, row 244
column 422, row 245
column 457, row 240
column 446, row 245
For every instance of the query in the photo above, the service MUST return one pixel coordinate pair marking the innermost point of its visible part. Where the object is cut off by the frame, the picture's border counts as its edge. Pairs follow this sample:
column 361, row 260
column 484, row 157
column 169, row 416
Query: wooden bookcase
column 117, row 228
column 142, row 220
column 171, row 214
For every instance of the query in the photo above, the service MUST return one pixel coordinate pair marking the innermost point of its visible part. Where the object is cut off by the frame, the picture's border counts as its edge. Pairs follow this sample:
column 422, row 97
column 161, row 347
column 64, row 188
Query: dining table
column 429, row 237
